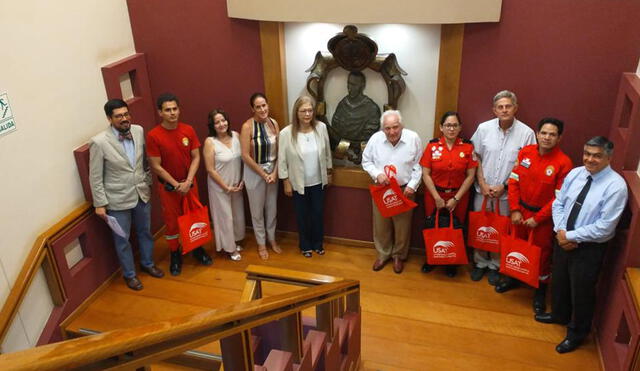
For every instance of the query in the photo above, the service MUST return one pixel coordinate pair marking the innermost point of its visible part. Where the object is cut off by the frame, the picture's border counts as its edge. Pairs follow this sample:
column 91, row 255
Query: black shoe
column 450, row 270
column 506, row 284
column 567, row 345
column 477, row 273
column 201, row 256
column 539, row 299
column 545, row 318
column 426, row 268
column 493, row 277
column 307, row 253
column 175, row 266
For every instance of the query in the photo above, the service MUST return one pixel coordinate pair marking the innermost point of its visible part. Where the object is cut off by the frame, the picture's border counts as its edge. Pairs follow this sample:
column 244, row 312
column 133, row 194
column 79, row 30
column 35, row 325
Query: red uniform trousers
column 171, row 209
column 543, row 238
column 459, row 212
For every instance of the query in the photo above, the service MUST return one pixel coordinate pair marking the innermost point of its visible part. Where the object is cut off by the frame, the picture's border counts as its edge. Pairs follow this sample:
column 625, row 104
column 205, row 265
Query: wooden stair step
column 317, row 341
column 278, row 360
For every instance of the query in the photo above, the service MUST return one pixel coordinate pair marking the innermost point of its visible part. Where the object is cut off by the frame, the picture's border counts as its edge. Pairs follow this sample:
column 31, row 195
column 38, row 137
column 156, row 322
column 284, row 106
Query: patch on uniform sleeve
column 549, row 170
column 526, row 162
column 514, row 176
column 185, row 141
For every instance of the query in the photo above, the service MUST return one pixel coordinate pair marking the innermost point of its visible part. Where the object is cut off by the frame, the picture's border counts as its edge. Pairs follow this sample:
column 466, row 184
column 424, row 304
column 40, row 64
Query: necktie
column 123, row 136
column 575, row 210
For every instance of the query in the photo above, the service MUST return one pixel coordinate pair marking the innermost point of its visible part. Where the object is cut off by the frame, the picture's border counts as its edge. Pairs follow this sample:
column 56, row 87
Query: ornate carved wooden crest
column 354, row 52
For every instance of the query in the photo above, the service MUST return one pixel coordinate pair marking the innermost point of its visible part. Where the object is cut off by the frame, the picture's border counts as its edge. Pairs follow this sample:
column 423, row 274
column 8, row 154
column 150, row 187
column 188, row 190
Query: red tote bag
column 195, row 229
column 520, row 259
column 486, row 227
column 390, row 199
column 444, row 246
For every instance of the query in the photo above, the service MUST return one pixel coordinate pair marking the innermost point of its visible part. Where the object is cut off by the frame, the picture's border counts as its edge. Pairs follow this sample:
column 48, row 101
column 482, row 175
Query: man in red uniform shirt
column 533, row 183
column 172, row 147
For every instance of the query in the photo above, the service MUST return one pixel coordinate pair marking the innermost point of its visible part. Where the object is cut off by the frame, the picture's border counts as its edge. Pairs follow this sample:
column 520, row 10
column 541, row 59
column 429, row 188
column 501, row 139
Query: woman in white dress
column 223, row 161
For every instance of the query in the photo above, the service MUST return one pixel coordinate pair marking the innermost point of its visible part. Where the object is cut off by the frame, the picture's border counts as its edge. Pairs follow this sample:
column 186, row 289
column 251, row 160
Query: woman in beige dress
column 223, row 161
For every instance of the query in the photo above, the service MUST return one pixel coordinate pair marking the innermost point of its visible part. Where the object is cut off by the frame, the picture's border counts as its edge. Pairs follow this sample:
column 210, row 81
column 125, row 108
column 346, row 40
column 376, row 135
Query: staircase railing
column 40, row 256
column 139, row 347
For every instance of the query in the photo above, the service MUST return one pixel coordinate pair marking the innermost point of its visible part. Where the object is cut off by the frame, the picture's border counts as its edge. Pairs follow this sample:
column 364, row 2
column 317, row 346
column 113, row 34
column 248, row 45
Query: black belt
column 535, row 209
column 445, row 190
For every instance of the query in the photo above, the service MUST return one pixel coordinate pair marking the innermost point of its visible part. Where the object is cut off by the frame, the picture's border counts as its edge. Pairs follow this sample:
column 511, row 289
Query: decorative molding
column 367, row 11
column 274, row 69
column 451, row 38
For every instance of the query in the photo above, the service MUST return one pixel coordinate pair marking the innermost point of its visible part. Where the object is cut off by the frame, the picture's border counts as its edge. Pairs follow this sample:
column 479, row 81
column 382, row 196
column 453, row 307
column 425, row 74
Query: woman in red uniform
column 448, row 170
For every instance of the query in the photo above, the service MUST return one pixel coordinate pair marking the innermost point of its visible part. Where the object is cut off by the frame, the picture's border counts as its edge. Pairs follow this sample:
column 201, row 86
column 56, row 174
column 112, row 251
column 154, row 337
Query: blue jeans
column 142, row 218
column 309, row 215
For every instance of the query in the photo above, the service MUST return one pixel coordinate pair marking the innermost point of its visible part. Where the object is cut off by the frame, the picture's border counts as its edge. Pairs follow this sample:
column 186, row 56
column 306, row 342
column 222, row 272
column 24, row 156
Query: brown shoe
column 379, row 264
column 398, row 265
column 153, row 271
column 133, row 283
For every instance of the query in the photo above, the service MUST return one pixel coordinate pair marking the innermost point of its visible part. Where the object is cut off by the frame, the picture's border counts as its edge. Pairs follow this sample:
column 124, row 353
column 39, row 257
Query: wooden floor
column 410, row 321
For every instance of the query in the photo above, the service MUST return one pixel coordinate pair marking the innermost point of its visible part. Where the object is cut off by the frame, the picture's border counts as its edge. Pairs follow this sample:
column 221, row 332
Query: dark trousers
column 309, row 215
column 573, row 286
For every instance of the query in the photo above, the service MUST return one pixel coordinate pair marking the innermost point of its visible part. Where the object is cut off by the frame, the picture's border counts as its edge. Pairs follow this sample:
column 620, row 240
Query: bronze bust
column 357, row 116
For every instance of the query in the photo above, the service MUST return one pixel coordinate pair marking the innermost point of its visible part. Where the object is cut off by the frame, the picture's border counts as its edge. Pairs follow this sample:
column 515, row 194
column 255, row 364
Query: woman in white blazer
column 304, row 165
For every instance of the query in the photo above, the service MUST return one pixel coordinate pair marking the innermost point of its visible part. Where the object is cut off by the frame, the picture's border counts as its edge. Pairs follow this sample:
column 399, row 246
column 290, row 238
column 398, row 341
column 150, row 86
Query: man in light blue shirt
column 585, row 215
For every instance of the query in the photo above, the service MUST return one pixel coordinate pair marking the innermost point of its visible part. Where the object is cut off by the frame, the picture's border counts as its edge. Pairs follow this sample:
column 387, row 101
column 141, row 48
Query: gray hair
column 506, row 94
column 390, row 112
column 601, row 142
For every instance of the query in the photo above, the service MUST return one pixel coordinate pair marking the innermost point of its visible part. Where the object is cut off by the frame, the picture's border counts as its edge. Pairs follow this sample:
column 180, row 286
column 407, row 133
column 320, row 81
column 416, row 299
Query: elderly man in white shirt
column 497, row 143
column 400, row 147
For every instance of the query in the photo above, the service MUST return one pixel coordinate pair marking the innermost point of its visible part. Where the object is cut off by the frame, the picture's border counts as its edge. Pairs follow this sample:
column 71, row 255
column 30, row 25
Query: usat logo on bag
column 197, row 231
column 518, row 262
column 487, row 234
column 391, row 199
column 442, row 249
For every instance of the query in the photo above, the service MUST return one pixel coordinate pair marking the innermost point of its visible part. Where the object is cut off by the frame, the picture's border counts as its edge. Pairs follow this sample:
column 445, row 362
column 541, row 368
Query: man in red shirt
column 172, row 147
column 533, row 184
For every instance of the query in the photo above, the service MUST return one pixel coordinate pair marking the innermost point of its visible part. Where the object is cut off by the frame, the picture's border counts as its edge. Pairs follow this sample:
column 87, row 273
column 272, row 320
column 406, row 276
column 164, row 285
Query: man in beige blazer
column 120, row 184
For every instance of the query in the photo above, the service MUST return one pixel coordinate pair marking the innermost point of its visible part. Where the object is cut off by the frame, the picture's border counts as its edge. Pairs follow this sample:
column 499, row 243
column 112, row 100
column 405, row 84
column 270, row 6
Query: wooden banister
column 154, row 342
column 39, row 256
column 272, row 274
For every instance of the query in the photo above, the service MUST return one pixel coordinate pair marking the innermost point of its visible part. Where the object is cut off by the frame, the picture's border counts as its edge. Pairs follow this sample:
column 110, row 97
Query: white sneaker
column 235, row 256
column 238, row 248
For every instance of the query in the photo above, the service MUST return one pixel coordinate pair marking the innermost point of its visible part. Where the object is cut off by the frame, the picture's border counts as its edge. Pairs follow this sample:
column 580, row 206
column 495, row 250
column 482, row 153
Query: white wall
column 50, row 67
column 416, row 46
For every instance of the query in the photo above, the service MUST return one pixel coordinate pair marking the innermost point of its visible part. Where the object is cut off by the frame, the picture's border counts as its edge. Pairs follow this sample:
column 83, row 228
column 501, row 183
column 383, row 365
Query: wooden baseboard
column 327, row 239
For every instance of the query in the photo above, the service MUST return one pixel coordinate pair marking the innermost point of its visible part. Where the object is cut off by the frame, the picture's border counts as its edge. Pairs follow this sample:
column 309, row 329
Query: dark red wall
column 196, row 51
column 561, row 58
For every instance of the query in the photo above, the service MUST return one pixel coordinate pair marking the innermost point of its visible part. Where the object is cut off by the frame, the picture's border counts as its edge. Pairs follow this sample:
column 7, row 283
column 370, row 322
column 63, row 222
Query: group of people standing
column 254, row 160
column 570, row 213
column 530, row 181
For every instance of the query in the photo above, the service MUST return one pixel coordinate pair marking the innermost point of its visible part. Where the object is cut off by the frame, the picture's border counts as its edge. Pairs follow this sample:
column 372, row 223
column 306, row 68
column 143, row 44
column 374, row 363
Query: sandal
column 276, row 249
column 235, row 256
column 238, row 248
column 262, row 252
column 306, row 254
column 319, row 251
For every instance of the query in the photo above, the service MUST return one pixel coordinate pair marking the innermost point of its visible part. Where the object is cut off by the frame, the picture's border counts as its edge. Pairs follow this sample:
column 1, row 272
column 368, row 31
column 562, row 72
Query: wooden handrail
column 172, row 337
column 32, row 264
column 272, row 274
